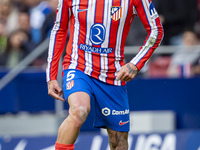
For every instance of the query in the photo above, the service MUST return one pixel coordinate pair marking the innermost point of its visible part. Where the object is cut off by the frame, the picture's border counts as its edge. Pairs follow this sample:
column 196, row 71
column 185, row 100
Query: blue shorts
column 111, row 102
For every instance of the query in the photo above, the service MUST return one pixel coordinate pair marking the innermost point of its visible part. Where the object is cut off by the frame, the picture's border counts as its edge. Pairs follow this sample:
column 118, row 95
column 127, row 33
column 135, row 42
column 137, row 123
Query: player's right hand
column 54, row 90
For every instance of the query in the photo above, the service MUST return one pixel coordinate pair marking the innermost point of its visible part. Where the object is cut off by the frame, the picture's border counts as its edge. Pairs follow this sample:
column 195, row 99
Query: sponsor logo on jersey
column 70, row 84
column 97, row 33
column 123, row 123
column 125, row 112
column 106, row 111
column 95, row 49
column 153, row 11
column 116, row 12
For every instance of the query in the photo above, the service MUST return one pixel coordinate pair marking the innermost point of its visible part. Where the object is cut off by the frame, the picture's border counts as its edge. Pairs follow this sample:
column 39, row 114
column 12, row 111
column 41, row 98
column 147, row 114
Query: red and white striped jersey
column 98, row 30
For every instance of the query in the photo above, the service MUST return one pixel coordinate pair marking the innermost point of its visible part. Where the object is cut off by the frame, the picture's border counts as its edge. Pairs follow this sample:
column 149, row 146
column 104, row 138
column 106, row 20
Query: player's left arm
column 150, row 19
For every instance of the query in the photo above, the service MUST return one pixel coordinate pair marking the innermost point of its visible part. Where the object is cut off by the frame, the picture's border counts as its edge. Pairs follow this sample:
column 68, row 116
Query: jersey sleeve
column 57, row 39
column 150, row 19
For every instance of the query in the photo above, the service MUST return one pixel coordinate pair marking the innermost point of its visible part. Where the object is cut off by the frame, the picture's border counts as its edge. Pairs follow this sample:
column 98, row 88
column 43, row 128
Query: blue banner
column 181, row 140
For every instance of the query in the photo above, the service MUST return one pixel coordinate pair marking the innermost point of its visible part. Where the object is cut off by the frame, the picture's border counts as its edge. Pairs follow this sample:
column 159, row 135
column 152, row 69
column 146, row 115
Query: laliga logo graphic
column 97, row 33
column 153, row 11
column 106, row 111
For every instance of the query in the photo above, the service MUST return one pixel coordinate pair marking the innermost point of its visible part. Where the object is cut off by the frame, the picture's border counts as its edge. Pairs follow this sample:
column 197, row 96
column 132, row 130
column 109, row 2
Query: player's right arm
column 56, row 46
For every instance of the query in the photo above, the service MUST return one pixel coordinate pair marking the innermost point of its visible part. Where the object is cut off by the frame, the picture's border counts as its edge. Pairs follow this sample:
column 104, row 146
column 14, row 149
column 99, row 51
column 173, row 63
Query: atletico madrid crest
column 69, row 84
column 116, row 12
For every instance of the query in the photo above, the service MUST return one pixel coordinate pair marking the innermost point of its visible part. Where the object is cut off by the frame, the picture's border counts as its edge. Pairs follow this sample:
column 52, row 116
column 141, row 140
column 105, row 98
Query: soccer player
column 93, row 67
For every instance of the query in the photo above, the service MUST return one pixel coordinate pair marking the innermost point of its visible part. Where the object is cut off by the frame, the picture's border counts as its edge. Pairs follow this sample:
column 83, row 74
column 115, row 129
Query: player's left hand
column 127, row 72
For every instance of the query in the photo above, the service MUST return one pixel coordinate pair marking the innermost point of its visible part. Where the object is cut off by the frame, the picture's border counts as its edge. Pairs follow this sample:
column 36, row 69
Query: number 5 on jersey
column 70, row 75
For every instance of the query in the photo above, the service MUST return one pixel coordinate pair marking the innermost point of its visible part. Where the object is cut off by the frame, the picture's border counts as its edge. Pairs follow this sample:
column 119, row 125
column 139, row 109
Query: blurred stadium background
column 164, row 97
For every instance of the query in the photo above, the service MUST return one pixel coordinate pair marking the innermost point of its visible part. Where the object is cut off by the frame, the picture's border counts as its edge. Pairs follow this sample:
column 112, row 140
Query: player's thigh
column 80, row 100
column 112, row 107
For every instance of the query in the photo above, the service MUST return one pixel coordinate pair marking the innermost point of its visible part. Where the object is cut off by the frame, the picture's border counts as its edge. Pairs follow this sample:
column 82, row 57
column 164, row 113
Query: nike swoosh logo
column 123, row 123
column 80, row 10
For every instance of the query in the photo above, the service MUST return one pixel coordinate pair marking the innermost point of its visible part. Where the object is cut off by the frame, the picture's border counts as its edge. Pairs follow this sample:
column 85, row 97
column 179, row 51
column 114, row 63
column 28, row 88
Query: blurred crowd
column 24, row 24
column 181, row 23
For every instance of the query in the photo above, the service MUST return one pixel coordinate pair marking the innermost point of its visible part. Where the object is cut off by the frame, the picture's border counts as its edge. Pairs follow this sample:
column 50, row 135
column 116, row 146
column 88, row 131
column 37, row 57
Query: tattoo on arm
column 131, row 70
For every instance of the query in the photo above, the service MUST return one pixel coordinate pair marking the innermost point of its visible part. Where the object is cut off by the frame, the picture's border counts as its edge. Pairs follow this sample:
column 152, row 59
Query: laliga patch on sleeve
column 153, row 12
column 151, row 41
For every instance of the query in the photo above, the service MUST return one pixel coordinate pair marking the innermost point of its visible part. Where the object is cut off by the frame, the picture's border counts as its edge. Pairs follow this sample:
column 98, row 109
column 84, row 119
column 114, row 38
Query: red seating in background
column 158, row 67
